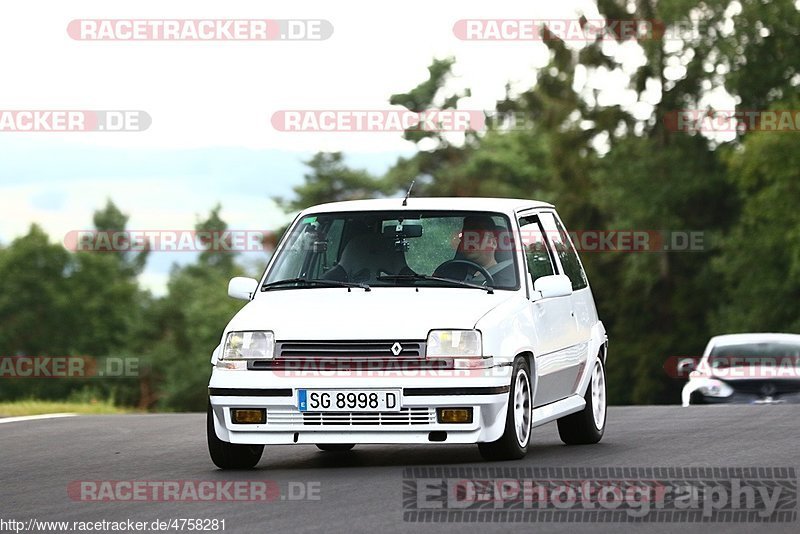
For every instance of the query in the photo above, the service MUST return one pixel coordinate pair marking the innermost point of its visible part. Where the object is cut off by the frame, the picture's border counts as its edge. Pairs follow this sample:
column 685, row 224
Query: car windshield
column 754, row 354
column 405, row 248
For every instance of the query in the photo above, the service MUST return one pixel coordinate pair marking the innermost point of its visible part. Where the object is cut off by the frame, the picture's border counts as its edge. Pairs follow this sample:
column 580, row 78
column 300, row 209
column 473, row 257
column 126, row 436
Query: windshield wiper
column 401, row 277
column 314, row 282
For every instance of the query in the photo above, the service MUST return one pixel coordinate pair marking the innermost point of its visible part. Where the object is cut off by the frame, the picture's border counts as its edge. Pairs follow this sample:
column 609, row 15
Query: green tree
column 35, row 309
column 105, row 292
column 760, row 258
column 191, row 319
column 427, row 164
column 110, row 219
column 331, row 180
column 55, row 304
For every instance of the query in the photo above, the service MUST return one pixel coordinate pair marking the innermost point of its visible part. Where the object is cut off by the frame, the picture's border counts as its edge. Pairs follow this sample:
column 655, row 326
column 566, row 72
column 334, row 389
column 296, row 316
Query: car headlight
column 249, row 346
column 454, row 344
column 715, row 388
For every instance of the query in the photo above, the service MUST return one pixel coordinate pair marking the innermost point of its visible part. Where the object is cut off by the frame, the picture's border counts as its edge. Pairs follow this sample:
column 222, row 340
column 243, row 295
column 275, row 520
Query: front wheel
column 513, row 445
column 696, row 398
column 588, row 425
column 230, row 455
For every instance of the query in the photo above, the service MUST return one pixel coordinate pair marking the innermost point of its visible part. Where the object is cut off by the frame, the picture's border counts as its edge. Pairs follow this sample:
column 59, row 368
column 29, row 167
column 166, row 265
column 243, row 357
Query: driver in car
column 478, row 252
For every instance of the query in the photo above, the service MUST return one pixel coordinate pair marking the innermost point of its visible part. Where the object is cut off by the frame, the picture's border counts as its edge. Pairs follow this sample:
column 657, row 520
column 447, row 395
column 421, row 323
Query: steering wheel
column 471, row 265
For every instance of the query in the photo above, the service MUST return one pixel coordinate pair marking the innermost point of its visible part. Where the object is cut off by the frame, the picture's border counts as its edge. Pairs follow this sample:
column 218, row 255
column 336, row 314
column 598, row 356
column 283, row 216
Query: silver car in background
column 745, row 369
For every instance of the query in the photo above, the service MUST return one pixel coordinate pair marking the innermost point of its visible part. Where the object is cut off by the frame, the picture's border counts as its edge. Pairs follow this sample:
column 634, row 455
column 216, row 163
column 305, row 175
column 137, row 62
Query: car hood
column 383, row 313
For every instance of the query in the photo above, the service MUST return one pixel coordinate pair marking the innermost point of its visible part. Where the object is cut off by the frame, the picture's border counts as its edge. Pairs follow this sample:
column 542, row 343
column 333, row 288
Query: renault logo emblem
column 768, row 389
column 397, row 348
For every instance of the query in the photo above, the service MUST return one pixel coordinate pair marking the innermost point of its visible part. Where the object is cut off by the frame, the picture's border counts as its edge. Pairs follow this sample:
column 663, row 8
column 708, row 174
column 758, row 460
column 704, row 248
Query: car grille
column 766, row 387
column 350, row 349
column 405, row 417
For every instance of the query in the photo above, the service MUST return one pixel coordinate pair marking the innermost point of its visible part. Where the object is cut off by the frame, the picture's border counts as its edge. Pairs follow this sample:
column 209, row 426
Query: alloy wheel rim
column 599, row 396
column 522, row 407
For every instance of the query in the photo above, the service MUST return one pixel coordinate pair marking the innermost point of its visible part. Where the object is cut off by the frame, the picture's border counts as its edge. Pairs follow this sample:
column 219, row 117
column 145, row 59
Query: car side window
column 535, row 247
column 557, row 235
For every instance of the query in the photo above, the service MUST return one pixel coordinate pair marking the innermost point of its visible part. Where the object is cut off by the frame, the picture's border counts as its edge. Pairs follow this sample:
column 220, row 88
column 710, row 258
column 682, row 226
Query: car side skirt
column 556, row 410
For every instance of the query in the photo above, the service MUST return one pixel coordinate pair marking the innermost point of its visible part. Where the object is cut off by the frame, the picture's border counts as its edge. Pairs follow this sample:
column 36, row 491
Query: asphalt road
column 363, row 490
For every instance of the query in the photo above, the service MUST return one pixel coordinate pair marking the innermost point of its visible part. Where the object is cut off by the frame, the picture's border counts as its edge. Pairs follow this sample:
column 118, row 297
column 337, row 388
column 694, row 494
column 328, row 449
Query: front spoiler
column 489, row 405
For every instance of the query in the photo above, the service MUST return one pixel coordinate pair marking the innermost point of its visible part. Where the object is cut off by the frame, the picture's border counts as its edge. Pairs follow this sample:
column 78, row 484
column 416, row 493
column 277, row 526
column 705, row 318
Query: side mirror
column 554, row 285
column 242, row 288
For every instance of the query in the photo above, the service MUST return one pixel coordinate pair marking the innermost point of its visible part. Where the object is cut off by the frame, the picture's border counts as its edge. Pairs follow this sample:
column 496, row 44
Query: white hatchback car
column 426, row 320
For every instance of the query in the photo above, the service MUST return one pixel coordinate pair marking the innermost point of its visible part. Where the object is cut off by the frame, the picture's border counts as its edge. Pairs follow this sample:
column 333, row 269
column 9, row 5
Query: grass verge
column 39, row 407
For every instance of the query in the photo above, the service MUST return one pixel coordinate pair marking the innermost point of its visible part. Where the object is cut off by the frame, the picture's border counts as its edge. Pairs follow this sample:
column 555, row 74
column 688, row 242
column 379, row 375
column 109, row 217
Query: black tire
column 580, row 428
column 509, row 447
column 230, row 455
column 696, row 398
column 335, row 447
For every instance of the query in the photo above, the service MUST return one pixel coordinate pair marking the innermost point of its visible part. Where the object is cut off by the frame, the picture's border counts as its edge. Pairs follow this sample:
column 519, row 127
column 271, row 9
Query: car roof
column 505, row 205
column 754, row 337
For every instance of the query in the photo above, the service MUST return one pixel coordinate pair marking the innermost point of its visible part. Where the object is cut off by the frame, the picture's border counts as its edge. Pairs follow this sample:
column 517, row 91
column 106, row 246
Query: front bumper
column 755, row 391
column 415, row 423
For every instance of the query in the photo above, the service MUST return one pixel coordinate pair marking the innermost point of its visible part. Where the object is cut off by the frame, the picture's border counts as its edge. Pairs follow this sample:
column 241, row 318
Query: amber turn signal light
column 249, row 416
column 454, row 415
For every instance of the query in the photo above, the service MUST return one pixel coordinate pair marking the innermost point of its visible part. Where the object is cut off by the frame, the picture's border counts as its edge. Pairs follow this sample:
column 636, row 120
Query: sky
column 211, row 140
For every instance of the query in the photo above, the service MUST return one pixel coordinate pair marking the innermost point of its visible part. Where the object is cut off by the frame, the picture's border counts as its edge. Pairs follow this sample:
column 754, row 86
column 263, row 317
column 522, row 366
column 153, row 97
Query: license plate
column 348, row 400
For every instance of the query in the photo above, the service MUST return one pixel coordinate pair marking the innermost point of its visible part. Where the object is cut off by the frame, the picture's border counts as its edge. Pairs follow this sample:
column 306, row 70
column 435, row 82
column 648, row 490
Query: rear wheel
column 588, row 425
column 230, row 455
column 335, row 447
column 513, row 445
